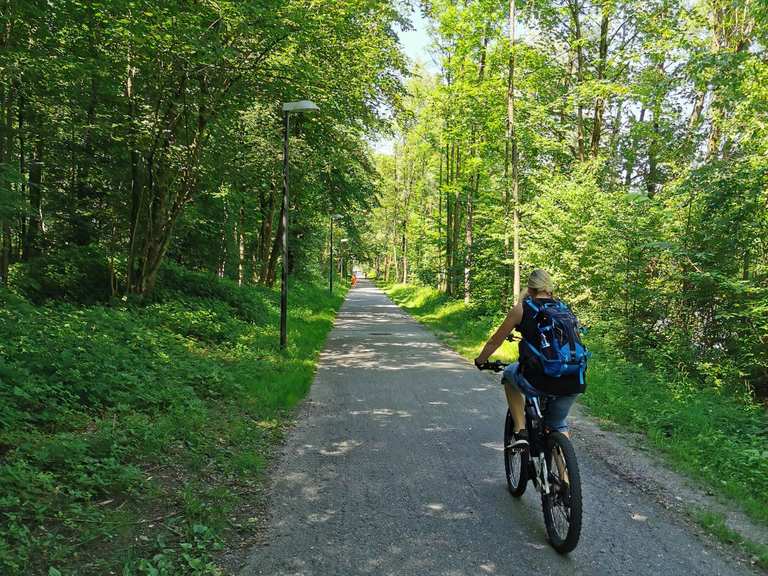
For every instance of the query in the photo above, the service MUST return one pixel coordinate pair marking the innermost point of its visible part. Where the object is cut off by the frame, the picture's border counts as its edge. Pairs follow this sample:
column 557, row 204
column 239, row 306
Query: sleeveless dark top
column 529, row 364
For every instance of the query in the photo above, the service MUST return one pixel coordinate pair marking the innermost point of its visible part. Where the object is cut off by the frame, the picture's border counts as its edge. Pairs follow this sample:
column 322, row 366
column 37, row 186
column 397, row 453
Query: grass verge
column 715, row 524
column 133, row 438
column 718, row 440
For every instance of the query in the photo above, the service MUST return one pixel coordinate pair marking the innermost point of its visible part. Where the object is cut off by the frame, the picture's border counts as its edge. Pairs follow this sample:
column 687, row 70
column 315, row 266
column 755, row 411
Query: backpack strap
column 530, row 303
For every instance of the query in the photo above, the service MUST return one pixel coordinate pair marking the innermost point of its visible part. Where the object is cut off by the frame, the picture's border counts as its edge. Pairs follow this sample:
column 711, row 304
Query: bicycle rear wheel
column 562, row 506
column 515, row 461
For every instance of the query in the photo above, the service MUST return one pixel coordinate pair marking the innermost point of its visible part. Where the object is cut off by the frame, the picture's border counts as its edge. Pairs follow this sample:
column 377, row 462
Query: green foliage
column 112, row 415
column 78, row 274
column 154, row 128
column 636, row 167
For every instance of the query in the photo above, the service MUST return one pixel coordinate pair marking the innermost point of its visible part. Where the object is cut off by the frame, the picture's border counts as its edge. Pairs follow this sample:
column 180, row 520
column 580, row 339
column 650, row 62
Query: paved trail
column 395, row 467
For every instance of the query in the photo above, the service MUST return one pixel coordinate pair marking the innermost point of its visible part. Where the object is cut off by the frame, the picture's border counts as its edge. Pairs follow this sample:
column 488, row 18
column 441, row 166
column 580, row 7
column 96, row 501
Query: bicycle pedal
column 517, row 445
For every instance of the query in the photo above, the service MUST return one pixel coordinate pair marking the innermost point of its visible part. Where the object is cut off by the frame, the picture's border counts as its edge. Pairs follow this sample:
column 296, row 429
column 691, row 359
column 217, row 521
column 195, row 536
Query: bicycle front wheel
column 562, row 506
column 515, row 461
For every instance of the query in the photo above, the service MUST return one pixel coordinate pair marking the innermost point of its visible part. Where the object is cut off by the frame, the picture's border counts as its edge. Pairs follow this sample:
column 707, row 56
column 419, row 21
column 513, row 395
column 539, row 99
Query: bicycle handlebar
column 496, row 366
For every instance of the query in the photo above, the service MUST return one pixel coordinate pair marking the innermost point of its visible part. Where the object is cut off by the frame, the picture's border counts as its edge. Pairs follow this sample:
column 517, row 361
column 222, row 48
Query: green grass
column 133, row 437
column 460, row 326
column 719, row 440
column 715, row 525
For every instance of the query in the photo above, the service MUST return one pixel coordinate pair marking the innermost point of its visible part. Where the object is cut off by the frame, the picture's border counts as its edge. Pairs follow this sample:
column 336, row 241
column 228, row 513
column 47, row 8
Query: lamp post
column 330, row 263
column 288, row 108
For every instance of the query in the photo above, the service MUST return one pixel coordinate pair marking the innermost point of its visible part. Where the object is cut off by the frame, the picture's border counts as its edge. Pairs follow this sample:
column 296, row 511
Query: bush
column 175, row 281
column 78, row 274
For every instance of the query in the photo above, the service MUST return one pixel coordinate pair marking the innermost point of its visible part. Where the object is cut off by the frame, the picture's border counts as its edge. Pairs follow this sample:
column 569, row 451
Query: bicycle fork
column 541, row 477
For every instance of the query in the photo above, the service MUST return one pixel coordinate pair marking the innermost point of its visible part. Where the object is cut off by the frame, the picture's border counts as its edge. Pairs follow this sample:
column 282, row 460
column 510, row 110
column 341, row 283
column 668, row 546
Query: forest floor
column 673, row 440
column 135, row 437
column 394, row 466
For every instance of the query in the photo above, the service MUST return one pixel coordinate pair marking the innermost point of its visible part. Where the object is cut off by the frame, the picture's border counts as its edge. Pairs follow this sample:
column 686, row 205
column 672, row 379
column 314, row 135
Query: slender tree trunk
column 34, row 230
column 441, row 270
column 82, row 228
column 457, row 209
column 575, row 10
column 22, row 139
column 469, row 240
column 5, row 228
column 472, row 194
column 241, row 246
column 272, row 265
column 597, row 122
column 404, row 254
column 448, row 221
column 616, row 129
column 513, row 156
column 698, row 108
column 137, row 190
column 629, row 166
column 653, row 150
column 268, row 215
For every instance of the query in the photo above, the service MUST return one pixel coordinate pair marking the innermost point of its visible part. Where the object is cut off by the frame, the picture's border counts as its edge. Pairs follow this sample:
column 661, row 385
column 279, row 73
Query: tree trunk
column 34, row 230
column 575, row 10
column 629, row 166
column 469, row 240
column 21, row 119
column 448, row 222
column 272, row 265
column 513, row 156
column 597, row 122
column 404, row 254
column 4, row 249
column 267, row 215
column 241, row 246
column 441, row 269
column 137, row 190
column 455, row 258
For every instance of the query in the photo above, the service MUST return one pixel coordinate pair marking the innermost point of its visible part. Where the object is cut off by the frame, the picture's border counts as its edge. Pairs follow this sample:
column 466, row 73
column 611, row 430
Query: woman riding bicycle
column 526, row 373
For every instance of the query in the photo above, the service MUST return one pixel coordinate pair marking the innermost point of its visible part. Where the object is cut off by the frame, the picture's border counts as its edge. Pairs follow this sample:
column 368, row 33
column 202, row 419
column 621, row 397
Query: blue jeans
column 557, row 406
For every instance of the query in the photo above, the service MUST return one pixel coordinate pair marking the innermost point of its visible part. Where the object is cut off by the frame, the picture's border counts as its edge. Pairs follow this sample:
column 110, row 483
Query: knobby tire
column 515, row 462
column 562, row 506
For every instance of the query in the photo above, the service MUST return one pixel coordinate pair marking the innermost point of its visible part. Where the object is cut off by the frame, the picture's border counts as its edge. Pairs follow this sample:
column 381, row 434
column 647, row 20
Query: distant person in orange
column 354, row 278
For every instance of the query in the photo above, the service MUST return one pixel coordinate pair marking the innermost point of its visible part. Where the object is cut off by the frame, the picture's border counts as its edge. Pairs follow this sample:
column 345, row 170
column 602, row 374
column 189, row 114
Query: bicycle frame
column 534, row 418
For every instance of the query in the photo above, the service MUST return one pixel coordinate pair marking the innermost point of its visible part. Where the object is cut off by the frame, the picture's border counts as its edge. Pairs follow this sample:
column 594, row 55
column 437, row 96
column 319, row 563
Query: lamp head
column 300, row 106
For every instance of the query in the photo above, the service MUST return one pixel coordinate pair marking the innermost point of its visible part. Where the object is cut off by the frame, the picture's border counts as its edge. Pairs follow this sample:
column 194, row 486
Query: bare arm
column 514, row 318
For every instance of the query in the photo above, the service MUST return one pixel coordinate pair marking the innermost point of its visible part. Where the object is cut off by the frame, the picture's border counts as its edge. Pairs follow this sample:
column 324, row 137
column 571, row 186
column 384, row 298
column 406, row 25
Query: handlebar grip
column 496, row 366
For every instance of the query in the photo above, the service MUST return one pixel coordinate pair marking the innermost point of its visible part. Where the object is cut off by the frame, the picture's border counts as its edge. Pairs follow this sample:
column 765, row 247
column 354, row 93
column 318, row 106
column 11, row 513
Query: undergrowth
column 130, row 434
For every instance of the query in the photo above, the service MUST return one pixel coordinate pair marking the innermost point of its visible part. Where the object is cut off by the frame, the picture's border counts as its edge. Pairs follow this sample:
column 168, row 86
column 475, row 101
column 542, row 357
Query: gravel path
column 395, row 467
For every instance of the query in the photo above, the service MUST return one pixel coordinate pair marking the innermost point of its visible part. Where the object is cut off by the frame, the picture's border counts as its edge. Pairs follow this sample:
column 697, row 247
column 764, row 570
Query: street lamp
column 330, row 263
column 288, row 108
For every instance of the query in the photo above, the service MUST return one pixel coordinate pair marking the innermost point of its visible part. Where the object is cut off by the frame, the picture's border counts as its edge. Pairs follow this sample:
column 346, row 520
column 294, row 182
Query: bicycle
column 553, row 469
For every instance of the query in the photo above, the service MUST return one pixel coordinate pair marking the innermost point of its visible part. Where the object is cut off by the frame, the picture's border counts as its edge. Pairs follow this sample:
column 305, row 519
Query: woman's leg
column 555, row 419
column 557, row 412
column 515, row 398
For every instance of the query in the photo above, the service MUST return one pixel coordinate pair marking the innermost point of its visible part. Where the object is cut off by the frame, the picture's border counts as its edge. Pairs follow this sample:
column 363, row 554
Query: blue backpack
column 559, row 348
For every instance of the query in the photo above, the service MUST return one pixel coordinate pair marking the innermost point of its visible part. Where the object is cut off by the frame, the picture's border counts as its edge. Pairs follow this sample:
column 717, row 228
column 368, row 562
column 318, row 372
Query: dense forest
column 621, row 145
column 138, row 131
